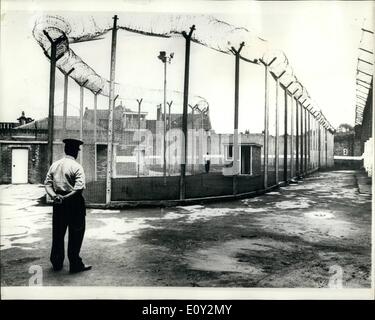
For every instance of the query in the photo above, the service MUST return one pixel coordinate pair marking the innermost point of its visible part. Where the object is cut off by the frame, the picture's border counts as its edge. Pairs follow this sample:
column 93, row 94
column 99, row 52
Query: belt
column 63, row 193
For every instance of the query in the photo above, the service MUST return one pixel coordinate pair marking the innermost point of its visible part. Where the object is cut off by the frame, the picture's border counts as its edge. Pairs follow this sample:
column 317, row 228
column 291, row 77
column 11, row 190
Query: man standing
column 207, row 162
column 64, row 183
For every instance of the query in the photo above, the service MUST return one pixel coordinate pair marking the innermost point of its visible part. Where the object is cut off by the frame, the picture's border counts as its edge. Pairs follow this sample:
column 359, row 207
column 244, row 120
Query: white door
column 20, row 160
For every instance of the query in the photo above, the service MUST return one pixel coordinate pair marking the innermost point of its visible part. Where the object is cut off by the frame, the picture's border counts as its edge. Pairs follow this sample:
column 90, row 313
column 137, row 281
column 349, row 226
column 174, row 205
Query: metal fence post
column 81, row 98
column 285, row 136
column 185, row 111
column 65, row 102
column 95, row 133
column 235, row 134
column 111, row 110
column 51, row 105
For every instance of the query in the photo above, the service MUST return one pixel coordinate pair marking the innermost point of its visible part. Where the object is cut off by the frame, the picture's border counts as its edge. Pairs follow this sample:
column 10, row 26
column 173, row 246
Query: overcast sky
column 320, row 40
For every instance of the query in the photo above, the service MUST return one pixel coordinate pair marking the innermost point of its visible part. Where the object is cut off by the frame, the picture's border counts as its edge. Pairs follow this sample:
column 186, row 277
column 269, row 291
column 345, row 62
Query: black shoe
column 80, row 269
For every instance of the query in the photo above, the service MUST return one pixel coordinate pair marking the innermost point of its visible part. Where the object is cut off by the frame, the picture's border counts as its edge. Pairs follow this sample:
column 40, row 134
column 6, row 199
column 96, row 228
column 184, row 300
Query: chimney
column 22, row 119
column 158, row 112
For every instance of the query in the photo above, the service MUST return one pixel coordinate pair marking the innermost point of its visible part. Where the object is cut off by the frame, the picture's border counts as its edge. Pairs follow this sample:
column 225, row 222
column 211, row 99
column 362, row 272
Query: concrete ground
column 298, row 236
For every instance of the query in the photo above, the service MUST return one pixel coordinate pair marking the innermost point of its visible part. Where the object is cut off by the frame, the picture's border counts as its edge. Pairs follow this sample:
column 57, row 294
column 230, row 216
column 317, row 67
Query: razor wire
column 365, row 71
column 209, row 32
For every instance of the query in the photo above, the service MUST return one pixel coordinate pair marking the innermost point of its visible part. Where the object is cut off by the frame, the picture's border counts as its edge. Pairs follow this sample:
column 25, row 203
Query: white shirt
column 66, row 175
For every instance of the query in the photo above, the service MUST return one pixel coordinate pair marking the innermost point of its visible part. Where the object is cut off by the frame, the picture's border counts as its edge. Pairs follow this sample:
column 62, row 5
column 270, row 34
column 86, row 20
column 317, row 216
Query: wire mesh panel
column 208, row 132
column 290, row 150
column 330, row 148
column 272, row 132
column 251, row 128
column 322, row 148
column 316, row 144
column 281, row 131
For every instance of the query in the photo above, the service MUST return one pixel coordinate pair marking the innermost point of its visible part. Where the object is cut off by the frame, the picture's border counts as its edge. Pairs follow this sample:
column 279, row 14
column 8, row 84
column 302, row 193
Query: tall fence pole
column 292, row 135
column 111, row 109
column 266, row 123
column 81, row 99
column 235, row 134
column 169, row 130
column 51, row 104
column 291, row 138
column 308, row 169
column 297, row 138
column 201, row 135
column 192, row 139
column 285, row 171
column 277, row 135
column 165, row 125
column 51, row 116
column 326, row 146
column 95, row 133
column 65, row 102
column 315, row 142
column 306, row 140
column 302, row 131
column 185, row 112
column 319, row 145
column 285, row 135
column 266, row 129
column 139, row 133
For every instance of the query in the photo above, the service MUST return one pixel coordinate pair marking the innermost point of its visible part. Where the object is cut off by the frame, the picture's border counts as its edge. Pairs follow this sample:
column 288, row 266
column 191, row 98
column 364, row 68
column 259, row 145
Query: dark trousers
column 71, row 214
column 207, row 166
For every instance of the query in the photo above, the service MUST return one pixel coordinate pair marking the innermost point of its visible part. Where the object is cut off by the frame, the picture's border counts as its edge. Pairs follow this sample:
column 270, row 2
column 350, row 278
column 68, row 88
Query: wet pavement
column 296, row 236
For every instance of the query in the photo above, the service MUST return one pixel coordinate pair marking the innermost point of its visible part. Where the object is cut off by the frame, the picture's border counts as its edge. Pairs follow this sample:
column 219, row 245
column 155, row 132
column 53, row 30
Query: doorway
column 20, row 161
column 245, row 160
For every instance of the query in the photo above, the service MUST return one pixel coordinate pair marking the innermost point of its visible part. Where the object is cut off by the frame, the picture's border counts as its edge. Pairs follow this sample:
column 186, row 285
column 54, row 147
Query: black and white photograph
column 186, row 150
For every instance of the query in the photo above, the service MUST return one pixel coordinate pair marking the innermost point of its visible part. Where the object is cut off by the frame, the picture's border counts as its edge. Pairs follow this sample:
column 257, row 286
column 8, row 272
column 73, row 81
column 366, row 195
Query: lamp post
column 202, row 112
column 139, row 134
column 169, row 130
column 165, row 59
column 193, row 108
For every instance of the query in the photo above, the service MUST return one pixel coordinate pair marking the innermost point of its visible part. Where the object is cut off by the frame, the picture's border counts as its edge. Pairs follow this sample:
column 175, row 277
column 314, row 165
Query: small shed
column 249, row 158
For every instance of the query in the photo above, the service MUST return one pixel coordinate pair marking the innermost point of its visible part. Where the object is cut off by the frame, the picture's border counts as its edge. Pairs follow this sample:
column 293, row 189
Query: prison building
column 23, row 152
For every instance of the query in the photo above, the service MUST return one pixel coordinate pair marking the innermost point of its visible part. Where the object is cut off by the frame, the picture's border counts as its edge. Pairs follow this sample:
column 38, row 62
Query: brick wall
column 343, row 141
column 37, row 161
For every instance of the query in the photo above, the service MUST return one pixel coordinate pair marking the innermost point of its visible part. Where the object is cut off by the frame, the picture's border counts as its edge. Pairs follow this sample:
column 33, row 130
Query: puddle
column 191, row 208
column 312, row 226
column 19, row 227
column 173, row 215
column 118, row 230
column 222, row 258
column 250, row 200
column 106, row 211
column 295, row 204
column 319, row 215
column 196, row 213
